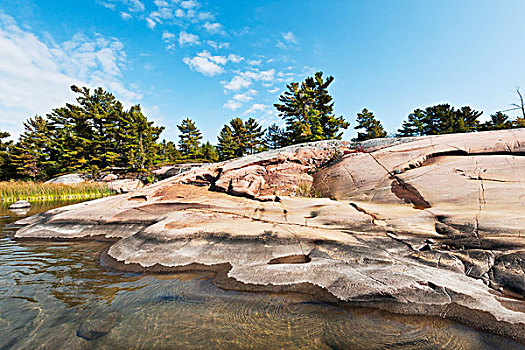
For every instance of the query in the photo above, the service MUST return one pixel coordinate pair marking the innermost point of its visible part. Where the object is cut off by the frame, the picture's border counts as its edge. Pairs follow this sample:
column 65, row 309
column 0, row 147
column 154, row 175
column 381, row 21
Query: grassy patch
column 305, row 189
column 16, row 190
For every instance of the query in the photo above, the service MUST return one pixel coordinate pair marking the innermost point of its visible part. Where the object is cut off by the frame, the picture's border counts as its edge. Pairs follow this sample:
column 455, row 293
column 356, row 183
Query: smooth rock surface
column 428, row 225
column 125, row 185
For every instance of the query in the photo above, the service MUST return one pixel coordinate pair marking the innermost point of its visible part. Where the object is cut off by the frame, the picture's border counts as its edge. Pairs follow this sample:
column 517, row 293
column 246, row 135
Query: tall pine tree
column 274, row 137
column 226, row 147
column 372, row 127
column 307, row 109
column 254, row 137
column 189, row 138
column 5, row 157
column 33, row 156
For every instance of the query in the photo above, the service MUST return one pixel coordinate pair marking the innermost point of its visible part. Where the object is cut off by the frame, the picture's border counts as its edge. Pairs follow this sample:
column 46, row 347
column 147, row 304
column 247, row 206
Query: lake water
column 55, row 295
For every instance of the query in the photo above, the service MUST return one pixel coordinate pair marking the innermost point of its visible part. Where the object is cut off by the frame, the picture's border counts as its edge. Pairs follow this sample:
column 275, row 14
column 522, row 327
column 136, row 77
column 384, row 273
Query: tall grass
column 16, row 190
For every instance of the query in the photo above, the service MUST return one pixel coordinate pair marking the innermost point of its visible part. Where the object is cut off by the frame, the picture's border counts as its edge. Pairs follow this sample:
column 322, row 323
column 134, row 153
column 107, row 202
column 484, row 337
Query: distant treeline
column 97, row 134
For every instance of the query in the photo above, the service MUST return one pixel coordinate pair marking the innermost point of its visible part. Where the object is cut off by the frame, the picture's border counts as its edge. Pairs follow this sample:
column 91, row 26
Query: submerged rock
column 428, row 225
column 20, row 205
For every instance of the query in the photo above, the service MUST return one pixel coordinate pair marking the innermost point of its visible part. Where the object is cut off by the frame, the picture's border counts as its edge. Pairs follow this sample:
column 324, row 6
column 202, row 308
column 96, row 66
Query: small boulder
column 20, row 205
column 110, row 177
column 67, row 179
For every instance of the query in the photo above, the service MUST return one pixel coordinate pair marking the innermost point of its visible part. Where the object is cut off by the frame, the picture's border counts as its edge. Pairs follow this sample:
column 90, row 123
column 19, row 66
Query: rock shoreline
column 429, row 225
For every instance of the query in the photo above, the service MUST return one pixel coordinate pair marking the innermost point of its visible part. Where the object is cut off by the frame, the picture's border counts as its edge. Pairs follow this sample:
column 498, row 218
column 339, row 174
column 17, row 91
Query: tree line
column 97, row 134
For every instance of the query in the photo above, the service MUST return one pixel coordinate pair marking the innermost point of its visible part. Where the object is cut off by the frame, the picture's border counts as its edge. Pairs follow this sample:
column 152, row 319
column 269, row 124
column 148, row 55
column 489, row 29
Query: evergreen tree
column 415, row 125
column 440, row 119
column 373, row 127
column 208, row 152
column 190, row 137
column 227, row 147
column 254, row 137
column 5, row 158
column 239, row 136
column 497, row 121
column 307, row 109
column 141, row 143
column 274, row 137
column 168, row 152
column 33, row 156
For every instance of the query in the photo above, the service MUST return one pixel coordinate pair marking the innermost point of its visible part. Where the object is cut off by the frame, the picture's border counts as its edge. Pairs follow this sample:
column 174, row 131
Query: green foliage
column 33, row 156
column 307, row 109
column 208, row 153
column 168, row 152
column 239, row 138
column 227, row 148
column 440, row 119
column 189, row 138
column 274, row 137
column 497, row 121
column 94, row 135
column 5, row 158
column 372, row 127
column 253, row 142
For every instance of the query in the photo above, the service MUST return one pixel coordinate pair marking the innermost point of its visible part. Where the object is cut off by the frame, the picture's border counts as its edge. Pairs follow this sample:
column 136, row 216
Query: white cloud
column 188, row 39
column 125, row 16
column 205, row 16
column 36, row 75
column 206, row 64
column 234, row 58
column 232, row 105
column 289, row 40
column 188, row 4
column 254, row 62
column 132, row 5
column 257, row 107
column 242, row 97
column 216, row 45
column 238, row 82
column 244, row 79
column 151, row 23
column 180, row 13
column 167, row 35
column 109, row 6
column 273, row 91
column 289, row 37
column 213, row 28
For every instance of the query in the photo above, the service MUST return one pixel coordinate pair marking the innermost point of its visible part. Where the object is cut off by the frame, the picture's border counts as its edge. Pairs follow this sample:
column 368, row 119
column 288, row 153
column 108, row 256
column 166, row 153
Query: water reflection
column 54, row 295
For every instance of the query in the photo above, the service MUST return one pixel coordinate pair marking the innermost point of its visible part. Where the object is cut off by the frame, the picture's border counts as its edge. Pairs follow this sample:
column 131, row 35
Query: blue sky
column 215, row 60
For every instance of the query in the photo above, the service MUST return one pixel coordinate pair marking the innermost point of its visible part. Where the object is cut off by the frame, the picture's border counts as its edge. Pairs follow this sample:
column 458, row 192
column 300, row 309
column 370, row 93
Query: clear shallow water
column 54, row 295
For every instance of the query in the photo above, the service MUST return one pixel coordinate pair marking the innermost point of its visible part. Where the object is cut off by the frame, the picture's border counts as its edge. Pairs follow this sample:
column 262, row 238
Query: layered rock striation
column 428, row 225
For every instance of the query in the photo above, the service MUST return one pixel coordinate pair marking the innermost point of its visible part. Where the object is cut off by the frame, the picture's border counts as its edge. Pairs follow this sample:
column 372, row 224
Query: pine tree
column 190, row 137
column 33, row 156
column 498, row 121
column 239, row 136
column 440, row 119
column 208, row 152
column 373, row 127
column 274, row 137
column 307, row 109
column 227, row 147
column 5, row 157
column 254, row 134
column 141, row 143
column 415, row 125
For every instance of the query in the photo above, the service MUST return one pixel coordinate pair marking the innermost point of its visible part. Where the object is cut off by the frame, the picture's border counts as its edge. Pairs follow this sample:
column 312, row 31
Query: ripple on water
column 55, row 295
